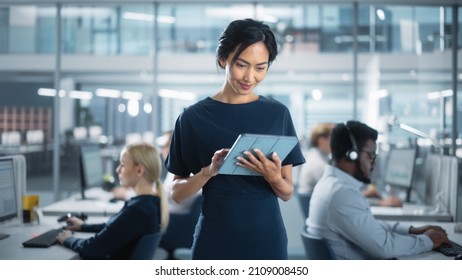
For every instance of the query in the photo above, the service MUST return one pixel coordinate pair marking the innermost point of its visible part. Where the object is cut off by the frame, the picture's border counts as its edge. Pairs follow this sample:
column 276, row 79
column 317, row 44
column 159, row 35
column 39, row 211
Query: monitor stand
column 88, row 198
column 408, row 195
column 84, row 196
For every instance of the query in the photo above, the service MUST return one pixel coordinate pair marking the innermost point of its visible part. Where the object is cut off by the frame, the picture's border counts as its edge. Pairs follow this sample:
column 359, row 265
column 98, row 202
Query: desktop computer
column 91, row 168
column 399, row 172
column 8, row 203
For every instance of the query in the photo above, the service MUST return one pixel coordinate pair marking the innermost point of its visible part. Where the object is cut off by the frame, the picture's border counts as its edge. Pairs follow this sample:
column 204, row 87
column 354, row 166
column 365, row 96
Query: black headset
column 353, row 153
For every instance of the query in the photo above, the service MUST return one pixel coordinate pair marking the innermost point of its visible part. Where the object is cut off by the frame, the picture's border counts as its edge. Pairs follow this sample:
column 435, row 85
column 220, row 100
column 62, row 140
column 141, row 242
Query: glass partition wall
column 128, row 69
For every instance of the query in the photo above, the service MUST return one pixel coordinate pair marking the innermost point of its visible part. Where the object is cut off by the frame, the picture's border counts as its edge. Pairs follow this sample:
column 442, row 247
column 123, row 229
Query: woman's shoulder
column 270, row 101
column 207, row 101
column 198, row 106
column 142, row 206
column 272, row 105
column 144, row 201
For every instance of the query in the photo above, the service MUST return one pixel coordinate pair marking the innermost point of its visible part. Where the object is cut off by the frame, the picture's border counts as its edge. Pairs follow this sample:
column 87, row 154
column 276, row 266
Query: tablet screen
column 268, row 144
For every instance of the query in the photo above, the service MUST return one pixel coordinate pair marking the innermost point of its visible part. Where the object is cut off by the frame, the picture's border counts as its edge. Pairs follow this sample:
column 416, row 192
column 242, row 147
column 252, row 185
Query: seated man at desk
column 340, row 214
column 318, row 157
column 145, row 213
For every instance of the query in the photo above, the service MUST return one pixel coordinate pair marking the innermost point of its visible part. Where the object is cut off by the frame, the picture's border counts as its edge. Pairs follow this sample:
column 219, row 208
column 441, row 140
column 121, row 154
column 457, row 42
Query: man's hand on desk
column 372, row 192
column 391, row 201
column 423, row 229
column 437, row 237
column 436, row 233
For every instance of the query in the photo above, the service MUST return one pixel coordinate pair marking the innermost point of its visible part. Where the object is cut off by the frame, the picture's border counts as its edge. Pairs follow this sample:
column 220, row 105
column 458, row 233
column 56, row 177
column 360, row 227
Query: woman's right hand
column 74, row 223
column 63, row 235
column 217, row 162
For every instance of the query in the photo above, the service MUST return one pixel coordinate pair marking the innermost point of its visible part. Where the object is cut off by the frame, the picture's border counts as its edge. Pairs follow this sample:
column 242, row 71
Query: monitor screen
column 400, row 168
column 8, row 209
column 91, row 168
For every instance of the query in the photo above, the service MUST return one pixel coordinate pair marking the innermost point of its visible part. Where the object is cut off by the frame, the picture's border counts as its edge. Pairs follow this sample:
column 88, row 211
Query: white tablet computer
column 268, row 144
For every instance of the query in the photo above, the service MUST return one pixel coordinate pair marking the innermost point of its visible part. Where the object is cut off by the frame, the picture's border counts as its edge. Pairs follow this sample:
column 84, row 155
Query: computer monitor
column 8, row 207
column 400, row 169
column 91, row 168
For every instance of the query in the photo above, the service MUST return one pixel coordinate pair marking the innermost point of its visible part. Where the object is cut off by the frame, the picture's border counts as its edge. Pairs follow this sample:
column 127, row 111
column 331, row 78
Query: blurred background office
column 114, row 72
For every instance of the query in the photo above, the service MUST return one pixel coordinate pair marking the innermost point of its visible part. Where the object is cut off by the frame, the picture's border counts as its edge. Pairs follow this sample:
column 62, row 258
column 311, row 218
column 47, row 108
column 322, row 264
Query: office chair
column 146, row 247
column 304, row 199
column 180, row 229
column 316, row 249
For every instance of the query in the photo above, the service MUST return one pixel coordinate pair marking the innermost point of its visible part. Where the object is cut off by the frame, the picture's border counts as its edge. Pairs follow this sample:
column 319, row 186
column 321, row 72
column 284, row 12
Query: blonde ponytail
column 148, row 155
column 164, row 211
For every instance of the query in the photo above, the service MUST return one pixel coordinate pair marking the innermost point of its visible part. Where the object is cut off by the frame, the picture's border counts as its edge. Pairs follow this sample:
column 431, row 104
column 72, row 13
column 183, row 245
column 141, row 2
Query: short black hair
column 340, row 141
column 240, row 34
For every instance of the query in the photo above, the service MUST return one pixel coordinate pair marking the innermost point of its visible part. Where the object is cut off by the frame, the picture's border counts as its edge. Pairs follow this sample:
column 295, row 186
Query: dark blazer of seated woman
column 146, row 213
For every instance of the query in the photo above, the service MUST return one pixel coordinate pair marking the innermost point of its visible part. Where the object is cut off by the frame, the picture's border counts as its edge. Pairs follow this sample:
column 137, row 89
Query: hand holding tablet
column 267, row 144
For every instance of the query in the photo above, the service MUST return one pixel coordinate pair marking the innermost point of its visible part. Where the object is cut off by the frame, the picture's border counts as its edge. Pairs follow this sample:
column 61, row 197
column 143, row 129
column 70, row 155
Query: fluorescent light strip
column 50, row 92
column 439, row 94
column 110, row 93
column 174, row 94
column 446, row 93
column 138, row 16
column 148, row 17
column 132, row 95
column 84, row 95
column 166, row 19
column 433, row 95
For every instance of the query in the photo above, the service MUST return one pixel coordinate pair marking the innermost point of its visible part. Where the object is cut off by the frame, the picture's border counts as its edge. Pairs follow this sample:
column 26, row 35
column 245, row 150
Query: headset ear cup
column 352, row 155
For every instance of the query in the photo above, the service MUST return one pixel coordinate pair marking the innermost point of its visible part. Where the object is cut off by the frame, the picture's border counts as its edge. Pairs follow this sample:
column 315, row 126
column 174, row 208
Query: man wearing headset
column 340, row 214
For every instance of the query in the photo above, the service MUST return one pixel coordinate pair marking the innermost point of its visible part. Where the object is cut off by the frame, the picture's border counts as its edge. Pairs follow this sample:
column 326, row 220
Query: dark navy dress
column 240, row 216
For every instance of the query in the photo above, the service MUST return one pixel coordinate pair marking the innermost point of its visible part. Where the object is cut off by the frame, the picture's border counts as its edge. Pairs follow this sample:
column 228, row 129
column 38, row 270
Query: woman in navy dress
column 240, row 216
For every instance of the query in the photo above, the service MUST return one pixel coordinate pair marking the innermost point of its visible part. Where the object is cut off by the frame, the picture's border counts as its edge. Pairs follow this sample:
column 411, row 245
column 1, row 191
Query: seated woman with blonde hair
column 145, row 213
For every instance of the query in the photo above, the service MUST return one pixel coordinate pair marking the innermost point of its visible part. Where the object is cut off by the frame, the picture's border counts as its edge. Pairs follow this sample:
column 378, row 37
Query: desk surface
column 410, row 212
column 96, row 204
column 11, row 247
column 24, row 149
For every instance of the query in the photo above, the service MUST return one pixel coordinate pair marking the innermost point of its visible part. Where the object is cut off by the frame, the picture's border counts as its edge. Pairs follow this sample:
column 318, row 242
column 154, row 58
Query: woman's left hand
column 279, row 178
column 256, row 161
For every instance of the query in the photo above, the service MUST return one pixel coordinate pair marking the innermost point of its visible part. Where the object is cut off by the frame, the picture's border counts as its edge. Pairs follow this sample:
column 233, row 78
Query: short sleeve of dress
column 295, row 157
column 174, row 161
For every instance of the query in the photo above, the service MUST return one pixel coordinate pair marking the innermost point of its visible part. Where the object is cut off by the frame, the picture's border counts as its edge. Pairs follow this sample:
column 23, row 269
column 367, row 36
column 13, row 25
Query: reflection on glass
column 107, row 30
column 399, row 47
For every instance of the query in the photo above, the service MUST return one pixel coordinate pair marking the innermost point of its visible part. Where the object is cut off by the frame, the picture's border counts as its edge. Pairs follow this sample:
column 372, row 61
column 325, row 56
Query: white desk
column 433, row 255
column 11, row 247
column 97, row 204
column 410, row 212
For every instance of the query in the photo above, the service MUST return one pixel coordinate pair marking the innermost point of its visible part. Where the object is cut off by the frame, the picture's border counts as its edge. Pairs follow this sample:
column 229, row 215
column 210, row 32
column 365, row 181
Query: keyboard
column 43, row 240
column 450, row 250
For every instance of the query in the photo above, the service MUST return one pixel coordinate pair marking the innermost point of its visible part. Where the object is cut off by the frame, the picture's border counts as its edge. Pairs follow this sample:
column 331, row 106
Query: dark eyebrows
column 246, row 62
